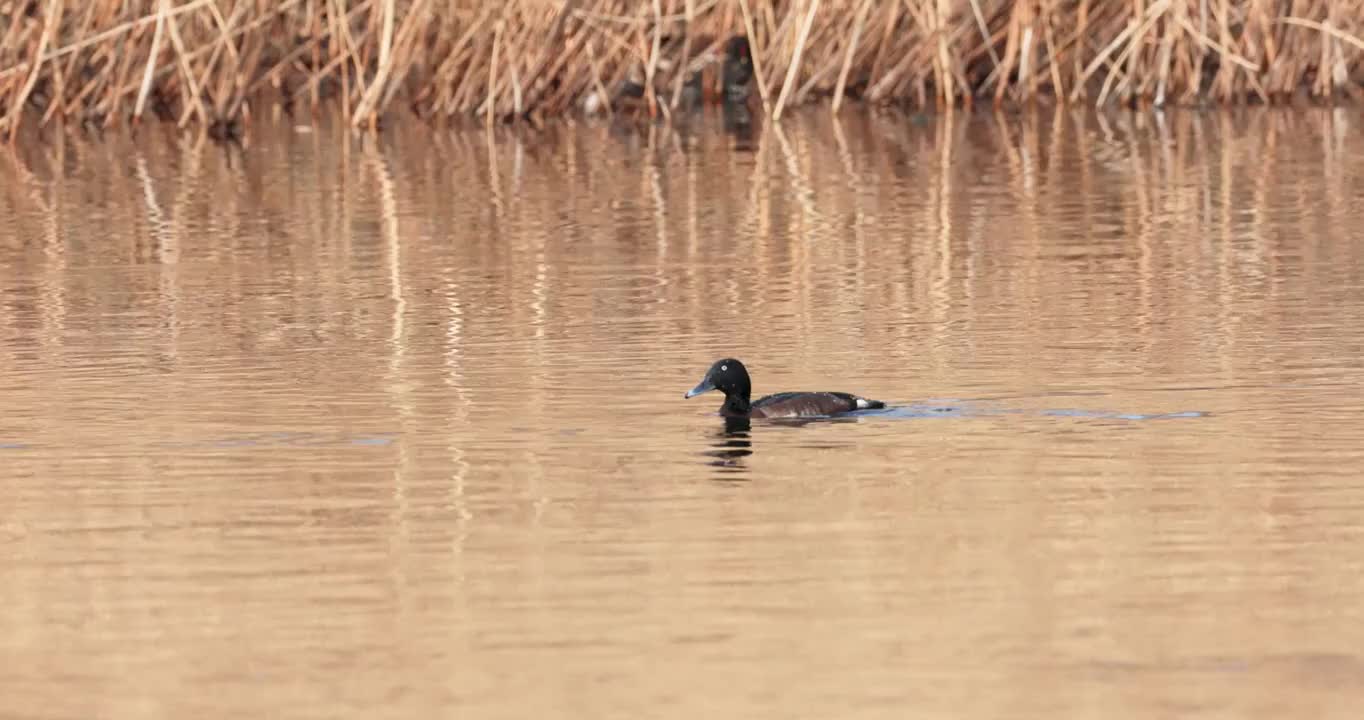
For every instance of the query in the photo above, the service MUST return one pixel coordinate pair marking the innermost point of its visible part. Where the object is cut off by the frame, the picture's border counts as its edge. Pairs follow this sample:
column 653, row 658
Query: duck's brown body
column 808, row 404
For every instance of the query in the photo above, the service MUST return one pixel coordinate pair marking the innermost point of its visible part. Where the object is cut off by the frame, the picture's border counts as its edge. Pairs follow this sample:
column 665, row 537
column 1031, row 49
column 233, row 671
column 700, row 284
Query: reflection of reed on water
column 864, row 216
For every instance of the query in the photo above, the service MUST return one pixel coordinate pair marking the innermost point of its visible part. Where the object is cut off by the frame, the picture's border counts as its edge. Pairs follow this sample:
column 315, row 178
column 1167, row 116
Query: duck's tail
column 865, row 404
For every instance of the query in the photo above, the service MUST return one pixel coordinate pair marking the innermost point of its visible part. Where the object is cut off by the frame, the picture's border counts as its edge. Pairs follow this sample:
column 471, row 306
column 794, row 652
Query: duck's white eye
column 724, row 368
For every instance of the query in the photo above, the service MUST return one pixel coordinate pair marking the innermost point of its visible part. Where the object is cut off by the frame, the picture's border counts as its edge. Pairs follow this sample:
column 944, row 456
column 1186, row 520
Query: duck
column 738, row 70
column 723, row 78
column 729, row 376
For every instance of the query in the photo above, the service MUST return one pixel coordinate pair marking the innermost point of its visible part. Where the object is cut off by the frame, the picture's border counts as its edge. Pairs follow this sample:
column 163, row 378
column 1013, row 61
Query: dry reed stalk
column 794, row 66
column 887, row 23
column 596, row 77
column 1325, row 29
column 943, row 69
column 858, row 22
column 20, row 97
column 363, row 111
column 63, row 71
column 405, row 51
column 124, row 28
column 681, row 75
column 1130, row 43
column 394, row 59
column 651, row 67
column 829, row 43
column 758, row 76
column 1011, row 49
column 541, row 66
column 549, row 99
column 1167, row 49
column 492, row 76
column 1053, row 61
column 195, row 103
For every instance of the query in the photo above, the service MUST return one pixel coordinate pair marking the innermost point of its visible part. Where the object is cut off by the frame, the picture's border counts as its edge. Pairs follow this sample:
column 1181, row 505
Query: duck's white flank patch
column 862, row 404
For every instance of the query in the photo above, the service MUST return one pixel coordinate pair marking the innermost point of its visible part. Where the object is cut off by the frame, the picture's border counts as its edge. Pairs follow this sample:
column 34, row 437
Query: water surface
column 324, row 426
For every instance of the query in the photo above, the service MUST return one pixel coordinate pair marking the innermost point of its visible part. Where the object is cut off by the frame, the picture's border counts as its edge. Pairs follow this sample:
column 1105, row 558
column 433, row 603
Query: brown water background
column 329, row 426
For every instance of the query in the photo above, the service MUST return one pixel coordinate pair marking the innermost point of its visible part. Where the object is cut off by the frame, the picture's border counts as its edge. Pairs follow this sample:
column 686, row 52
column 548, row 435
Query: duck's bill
column 704, row 387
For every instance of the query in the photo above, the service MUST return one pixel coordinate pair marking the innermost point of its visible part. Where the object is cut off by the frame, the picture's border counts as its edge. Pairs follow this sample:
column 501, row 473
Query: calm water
column 323, row 427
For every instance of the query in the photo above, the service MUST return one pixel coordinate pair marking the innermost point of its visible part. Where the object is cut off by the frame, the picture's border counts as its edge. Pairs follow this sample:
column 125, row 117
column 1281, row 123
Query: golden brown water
column 324, row 427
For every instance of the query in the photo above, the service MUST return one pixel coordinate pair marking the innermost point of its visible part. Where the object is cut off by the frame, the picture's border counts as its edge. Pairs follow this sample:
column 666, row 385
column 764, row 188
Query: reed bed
column 210, row 62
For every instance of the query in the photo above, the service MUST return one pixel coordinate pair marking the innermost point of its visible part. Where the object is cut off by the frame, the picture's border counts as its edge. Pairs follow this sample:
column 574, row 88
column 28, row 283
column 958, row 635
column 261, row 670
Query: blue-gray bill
column 704, row 386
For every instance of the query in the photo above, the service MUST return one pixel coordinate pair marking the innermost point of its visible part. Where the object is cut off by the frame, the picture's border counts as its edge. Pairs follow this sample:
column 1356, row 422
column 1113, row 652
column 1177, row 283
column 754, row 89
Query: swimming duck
column 731, row 377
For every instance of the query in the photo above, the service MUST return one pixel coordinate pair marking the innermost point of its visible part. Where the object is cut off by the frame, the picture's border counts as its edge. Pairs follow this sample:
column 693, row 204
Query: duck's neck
column 735, row 404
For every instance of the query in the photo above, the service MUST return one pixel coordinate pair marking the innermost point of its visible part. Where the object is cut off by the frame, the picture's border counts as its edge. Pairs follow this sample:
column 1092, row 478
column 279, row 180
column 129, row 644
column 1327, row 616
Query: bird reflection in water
column 730, row 446
column 738, row 121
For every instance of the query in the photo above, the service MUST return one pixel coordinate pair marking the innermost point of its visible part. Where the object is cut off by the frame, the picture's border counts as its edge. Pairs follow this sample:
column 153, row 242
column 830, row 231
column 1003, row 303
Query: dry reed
column 210, row 61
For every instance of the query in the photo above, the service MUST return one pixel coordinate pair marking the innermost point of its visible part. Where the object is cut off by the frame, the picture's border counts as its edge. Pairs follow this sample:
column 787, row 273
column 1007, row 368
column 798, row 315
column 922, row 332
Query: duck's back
column 809, row 404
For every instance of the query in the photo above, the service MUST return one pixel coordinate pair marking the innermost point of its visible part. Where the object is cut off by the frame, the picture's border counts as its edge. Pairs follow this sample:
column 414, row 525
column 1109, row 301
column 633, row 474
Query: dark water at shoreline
column 325, row 426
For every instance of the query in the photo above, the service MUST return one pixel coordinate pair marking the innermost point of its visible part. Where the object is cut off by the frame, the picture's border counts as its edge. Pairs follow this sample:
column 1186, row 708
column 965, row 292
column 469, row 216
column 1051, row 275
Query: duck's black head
column 736, row 48
column 730, row 377
column 738, row 65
